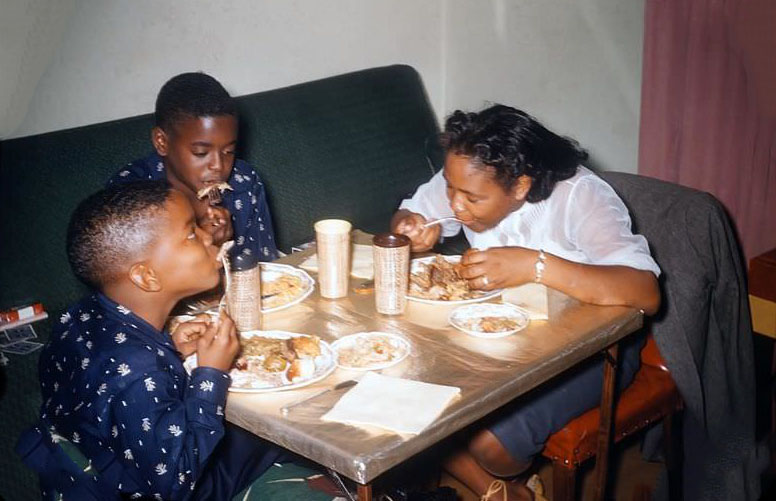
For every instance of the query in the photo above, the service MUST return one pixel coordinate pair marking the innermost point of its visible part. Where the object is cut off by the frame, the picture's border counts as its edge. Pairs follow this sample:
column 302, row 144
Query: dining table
column 489, row 372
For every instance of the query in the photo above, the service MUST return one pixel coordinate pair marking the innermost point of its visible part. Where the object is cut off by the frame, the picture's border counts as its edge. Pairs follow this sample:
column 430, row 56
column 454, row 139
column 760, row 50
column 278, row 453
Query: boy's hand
column 186, row 334
column 498, row 267
column 411, row 225
column 217, row 221
column 219, row 344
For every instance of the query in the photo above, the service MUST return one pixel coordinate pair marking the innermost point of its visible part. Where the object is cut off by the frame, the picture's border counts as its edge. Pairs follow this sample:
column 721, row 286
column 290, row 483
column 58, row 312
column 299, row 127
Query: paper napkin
column 394, row 404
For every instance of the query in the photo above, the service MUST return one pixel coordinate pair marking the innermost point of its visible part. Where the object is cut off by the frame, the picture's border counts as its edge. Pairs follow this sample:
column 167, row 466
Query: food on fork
column 213, row 189
column 441, row 280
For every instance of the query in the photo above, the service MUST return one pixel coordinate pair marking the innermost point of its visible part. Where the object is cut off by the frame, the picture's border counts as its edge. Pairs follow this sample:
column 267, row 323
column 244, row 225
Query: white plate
column 269, row 272
column 401, row 345
column 415, row 266
column 459, row 317
column 272, row 271
column 244, row 382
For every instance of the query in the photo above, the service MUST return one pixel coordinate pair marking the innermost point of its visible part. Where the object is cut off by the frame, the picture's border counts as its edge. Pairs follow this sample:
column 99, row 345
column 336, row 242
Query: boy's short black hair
column 111, row 227
column 191, row 95
column 514, row 143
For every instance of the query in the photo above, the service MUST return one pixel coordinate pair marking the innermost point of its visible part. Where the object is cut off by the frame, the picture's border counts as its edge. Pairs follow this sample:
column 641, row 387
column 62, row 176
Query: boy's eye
column 200, row 154
column 192, row 235
column 229, row 152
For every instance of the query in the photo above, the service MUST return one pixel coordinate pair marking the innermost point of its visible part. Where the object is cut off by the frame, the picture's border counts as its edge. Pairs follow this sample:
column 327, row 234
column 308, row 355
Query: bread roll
column 301, row 368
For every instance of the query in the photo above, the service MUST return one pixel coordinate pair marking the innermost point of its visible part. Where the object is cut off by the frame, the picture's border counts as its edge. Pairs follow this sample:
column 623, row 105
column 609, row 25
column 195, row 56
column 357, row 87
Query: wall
column 30, row 32
column 574, row 64
column 115, row 55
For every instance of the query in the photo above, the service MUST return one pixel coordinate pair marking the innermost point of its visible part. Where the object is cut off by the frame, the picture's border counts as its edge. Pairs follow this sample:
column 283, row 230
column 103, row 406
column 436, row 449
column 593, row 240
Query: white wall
column 30, row 32
column 573, row 64
column 116, row 54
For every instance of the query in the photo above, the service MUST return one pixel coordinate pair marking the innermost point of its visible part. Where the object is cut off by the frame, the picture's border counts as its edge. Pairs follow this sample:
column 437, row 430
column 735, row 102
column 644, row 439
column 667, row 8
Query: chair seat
column 651, row 396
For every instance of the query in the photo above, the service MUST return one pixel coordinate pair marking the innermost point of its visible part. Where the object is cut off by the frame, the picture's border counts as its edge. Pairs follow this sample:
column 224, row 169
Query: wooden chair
column 651, row 396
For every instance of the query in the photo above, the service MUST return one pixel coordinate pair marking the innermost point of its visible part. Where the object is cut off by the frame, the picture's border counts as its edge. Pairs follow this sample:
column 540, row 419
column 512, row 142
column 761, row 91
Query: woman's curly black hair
column 514, row 144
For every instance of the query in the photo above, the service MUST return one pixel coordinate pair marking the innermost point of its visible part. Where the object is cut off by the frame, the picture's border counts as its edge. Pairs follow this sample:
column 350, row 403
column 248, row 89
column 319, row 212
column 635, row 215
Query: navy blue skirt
column 524, row 425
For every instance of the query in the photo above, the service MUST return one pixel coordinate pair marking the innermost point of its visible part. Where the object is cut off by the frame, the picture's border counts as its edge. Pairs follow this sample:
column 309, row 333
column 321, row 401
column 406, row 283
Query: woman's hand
column 498, row 267
column 186, row 334
column 411, row 224
column 596, row 284
column 219, row 344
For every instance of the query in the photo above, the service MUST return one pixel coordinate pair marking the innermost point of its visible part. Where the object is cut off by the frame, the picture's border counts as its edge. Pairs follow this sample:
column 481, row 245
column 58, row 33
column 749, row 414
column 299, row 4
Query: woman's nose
column 457, row 204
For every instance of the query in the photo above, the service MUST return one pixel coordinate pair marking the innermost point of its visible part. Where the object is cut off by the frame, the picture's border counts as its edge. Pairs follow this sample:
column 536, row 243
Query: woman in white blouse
column 531, row 213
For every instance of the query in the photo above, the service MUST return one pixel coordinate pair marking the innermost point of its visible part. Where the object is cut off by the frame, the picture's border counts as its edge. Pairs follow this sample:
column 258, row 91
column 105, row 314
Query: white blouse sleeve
column 430, row 200
column 598, row 224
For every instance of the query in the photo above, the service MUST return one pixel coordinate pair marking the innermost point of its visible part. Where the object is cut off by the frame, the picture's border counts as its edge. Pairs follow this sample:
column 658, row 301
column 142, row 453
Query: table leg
column 605, row 425
column 365, row 492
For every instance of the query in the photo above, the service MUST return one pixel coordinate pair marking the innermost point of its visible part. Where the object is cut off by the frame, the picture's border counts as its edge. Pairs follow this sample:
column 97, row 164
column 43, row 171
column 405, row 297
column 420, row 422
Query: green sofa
column 349, row 146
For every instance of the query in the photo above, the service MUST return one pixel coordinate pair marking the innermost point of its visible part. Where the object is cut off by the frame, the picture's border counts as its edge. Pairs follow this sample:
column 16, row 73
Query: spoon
column 441, row 220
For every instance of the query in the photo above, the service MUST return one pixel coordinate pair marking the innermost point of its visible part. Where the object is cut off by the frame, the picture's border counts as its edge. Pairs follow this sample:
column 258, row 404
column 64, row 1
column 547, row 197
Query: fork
column 441, row 220
column 214, row 196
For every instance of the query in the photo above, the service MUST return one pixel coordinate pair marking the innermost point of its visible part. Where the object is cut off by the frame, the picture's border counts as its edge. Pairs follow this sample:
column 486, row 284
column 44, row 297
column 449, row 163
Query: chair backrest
column 703, row 328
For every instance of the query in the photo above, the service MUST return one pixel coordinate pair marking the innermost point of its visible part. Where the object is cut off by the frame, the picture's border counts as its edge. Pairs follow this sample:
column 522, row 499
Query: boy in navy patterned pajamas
column 194, row 140
column 112, row 379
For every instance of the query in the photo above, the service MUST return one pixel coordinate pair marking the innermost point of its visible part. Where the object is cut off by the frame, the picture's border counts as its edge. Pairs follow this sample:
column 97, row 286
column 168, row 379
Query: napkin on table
column 362, row 265
column 394, row 404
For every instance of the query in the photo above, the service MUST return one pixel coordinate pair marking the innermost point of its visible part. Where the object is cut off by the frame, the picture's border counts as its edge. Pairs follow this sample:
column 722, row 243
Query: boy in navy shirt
column 194, row 139
column 112, row 379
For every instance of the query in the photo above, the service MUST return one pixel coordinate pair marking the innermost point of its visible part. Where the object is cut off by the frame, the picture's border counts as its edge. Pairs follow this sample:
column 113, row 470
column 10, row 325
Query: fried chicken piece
column 305, row 347
column 221, row 187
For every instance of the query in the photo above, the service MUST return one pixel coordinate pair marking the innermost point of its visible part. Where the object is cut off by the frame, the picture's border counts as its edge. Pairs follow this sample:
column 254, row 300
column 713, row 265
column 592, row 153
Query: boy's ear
column 521, row 187
column 160, row 140
column 144, row 277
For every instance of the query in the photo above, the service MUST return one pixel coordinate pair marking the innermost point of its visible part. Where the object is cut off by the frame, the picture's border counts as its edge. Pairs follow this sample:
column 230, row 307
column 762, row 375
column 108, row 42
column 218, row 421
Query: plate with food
column 370, row 351
column 436, row 279
column 489, row 320
column 276, row 361
column 283, row 286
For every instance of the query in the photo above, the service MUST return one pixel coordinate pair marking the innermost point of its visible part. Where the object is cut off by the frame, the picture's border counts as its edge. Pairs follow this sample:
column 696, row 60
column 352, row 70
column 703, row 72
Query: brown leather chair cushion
column 650, row 355
column 651, row 396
